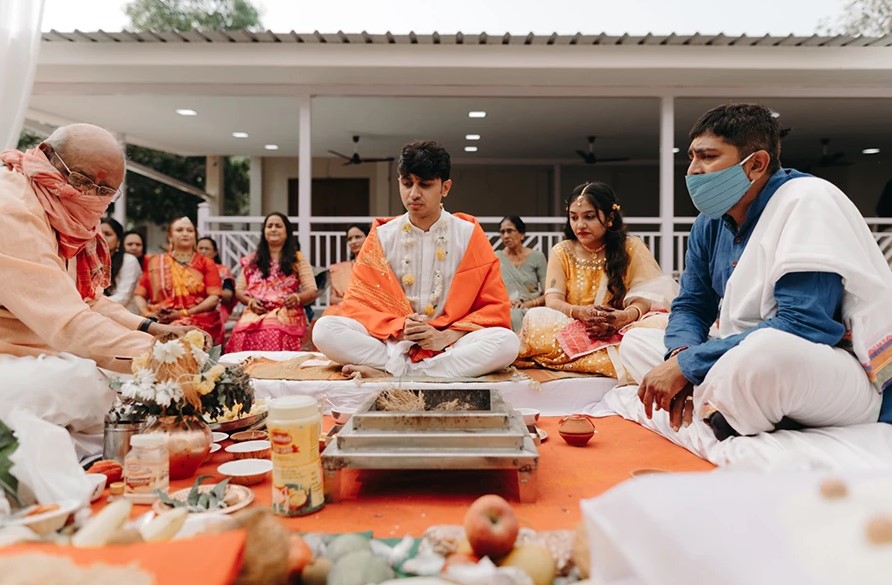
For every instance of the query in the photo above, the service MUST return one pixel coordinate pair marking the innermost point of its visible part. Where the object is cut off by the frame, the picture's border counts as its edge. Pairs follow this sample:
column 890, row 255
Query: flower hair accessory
column 616, row 207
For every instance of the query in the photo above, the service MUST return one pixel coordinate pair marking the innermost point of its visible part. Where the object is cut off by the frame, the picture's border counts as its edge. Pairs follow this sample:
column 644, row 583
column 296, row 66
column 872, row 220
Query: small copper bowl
column 249, row 436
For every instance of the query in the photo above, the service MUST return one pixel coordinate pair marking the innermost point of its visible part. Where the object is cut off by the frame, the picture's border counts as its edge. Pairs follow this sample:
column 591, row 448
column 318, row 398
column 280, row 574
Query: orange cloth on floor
column 214, row 559
column 477, row 297
column 395, row 503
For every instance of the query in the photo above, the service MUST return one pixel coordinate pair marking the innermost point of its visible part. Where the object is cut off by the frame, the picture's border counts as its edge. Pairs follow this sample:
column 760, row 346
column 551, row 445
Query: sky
column 615, row 17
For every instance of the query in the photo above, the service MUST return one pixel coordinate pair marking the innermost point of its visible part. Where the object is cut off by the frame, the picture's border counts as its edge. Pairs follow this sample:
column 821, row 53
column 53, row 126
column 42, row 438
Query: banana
column 100, row 528
column 164, row 526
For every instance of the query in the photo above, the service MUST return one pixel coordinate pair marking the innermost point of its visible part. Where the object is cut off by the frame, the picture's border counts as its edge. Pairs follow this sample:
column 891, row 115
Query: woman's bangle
column 639, row 312
column 146, row 323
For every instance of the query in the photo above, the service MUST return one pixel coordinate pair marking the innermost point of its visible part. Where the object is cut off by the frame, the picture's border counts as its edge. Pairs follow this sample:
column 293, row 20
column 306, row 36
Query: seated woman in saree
column 181, row 287
column 340, row 274
column 523, row 270
column 274, row 284
column 125, row 268
column 207, row 247
column 599, row 281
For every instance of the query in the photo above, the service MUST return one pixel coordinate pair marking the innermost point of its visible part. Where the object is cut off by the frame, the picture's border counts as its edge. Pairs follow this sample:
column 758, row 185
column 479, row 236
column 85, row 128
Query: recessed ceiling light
column 476, row 114
column 470, row 149
column 676, row 150
column 870, row 151
column 775, row 114
column 472, row 137
column 239, row 134
column 271, row 146
column 186, row 112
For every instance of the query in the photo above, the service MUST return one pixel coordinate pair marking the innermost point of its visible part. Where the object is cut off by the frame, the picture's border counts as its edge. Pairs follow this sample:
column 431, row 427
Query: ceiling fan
column 831, row 160
column 356, row 159
column 589, row 157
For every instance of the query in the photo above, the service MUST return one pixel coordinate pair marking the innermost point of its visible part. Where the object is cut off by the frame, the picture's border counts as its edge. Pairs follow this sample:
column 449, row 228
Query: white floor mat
column 858, row 447
column 554, row 398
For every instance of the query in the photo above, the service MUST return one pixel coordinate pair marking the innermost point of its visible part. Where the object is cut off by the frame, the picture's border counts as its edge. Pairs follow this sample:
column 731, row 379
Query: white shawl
column 811, row 226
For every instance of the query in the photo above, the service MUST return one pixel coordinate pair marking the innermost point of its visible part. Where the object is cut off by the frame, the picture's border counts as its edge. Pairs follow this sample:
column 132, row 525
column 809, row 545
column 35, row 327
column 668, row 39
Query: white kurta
column 410, row 250
column 808, row 226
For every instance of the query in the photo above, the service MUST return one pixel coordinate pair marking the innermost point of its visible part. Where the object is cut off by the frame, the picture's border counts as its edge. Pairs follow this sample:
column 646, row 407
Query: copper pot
column 577, row 429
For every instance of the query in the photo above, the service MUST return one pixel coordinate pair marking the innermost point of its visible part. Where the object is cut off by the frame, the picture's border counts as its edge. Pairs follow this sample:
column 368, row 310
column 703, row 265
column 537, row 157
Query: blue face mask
column 715, row 193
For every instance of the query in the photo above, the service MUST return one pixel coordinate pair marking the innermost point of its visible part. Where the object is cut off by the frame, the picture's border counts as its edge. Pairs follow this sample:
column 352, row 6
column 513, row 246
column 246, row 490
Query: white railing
column 237, row 236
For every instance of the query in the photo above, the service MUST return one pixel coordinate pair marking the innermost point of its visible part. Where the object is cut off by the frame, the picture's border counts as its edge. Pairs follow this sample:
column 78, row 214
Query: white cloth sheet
column 866, row 446
column 62, row 389
column 555, row 398
column 737, row 528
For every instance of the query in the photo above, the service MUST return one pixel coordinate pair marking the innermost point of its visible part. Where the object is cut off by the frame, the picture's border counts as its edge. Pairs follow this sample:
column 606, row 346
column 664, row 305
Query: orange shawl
column 477, row 297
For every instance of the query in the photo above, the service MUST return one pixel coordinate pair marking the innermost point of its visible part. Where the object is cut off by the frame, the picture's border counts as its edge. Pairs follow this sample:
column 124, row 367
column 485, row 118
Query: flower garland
column 408, row 271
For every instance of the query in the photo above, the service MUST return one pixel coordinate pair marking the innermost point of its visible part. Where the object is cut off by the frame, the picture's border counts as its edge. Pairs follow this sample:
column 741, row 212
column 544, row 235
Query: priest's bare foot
column 363, row 371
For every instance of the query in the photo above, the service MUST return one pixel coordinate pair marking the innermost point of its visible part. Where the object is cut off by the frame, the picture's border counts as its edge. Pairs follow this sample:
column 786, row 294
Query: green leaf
column 219, row 491
column 8, row 445
column 194, row 493
column 214, row 353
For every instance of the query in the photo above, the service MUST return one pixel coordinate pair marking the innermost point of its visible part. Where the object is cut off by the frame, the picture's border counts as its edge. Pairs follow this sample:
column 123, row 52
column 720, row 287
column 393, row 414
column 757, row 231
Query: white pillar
column 305, row 174
column 204, row 212
column 667, row 183
column 255, row 178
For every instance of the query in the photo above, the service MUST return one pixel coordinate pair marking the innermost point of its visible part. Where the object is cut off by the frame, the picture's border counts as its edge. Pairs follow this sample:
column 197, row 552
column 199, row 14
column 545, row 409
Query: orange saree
column 167, row 284
column 477, row 297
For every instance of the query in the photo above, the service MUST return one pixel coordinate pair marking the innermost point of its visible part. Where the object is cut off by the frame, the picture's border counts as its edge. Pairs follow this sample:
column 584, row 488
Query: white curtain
column 19, row 48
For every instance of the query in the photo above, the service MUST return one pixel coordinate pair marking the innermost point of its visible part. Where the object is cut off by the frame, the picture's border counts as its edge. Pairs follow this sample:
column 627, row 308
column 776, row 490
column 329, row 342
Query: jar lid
column 293, row 407
column 150, row 440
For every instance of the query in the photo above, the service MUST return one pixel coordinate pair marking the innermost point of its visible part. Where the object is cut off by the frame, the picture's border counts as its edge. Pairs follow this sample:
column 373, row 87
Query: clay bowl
column 246, row 471
column 342, row 414
column 530, row 416
column 250, row 450
column 249, row 436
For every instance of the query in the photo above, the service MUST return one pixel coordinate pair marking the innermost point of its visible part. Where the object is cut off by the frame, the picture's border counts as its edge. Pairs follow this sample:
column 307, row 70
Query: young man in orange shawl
column 427, row 296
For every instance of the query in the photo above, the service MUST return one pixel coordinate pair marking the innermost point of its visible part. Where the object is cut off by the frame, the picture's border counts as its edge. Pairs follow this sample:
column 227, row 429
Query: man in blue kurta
column 784, row 317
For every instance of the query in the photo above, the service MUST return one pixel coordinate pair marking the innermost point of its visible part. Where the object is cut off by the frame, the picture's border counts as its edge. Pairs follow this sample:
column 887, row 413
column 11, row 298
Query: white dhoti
column 346, row 341
column 769, row 375
column 61, row 389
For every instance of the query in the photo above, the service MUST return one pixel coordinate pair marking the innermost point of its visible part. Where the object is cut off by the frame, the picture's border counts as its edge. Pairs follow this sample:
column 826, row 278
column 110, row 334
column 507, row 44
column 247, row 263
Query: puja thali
column 251, row 421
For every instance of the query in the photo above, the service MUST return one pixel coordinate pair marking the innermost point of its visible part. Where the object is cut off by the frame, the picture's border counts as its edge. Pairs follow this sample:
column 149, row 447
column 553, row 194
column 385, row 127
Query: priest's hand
column 660, row 386
column 160, row 329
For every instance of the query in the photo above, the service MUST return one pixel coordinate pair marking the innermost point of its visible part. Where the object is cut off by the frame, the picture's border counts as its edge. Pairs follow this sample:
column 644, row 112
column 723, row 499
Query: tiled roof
column 245, row 36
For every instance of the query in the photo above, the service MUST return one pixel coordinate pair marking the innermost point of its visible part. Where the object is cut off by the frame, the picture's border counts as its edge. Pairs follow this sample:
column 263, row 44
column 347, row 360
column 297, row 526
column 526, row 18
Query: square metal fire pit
column 490, row 436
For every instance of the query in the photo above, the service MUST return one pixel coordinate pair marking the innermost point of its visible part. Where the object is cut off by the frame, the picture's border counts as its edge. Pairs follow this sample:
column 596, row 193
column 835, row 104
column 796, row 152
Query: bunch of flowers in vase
column 178, row 386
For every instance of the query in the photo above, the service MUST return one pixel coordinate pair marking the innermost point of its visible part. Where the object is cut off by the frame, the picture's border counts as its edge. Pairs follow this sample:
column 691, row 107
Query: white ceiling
column 515, row 129
column 543, row 95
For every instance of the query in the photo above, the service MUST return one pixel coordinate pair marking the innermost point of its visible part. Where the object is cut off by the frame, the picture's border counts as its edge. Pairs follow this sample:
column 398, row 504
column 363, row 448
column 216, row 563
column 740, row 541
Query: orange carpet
column 396, row 503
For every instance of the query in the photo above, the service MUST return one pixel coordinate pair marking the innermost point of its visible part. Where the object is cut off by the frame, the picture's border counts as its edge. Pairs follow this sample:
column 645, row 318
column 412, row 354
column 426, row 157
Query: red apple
column 491, row 526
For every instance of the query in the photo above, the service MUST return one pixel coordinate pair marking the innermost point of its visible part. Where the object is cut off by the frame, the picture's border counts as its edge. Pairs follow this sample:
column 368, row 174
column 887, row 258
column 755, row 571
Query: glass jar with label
column 146, row 468
column 294, row 424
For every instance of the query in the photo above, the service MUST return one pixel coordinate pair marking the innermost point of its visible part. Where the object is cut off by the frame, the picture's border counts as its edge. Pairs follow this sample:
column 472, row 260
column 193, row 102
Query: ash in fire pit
column 398, row 400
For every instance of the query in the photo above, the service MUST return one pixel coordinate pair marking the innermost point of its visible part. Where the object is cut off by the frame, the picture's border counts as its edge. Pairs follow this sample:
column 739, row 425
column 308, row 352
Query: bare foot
column 363, row 371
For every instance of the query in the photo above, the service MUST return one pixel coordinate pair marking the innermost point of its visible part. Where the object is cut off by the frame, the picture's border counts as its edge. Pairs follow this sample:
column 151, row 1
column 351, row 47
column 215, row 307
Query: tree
column 186, row 15
column 148, row 200
column 872, row 18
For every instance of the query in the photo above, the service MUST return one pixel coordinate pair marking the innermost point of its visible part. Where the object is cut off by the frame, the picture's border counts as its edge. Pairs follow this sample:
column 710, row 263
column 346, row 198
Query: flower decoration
column 441, row 251
column 179, row 377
